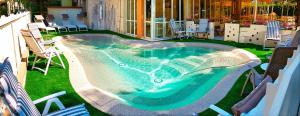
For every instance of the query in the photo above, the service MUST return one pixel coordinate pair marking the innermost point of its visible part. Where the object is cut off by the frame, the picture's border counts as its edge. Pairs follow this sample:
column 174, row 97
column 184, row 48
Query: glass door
column 160, row 19
column 147, row 18
column 131, row 17
column 157, row 16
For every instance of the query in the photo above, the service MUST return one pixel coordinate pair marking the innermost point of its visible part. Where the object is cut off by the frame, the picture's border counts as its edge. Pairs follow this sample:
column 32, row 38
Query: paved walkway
column 102, row 101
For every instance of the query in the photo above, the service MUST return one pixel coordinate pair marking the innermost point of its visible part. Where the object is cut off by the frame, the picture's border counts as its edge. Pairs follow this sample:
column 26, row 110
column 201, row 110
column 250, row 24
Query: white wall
column 10, row 41
column 72, row 12
column 283, row 98
column 110, row 17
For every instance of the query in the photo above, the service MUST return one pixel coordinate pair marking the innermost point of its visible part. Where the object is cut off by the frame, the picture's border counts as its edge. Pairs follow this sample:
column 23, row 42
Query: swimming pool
column 152, row 76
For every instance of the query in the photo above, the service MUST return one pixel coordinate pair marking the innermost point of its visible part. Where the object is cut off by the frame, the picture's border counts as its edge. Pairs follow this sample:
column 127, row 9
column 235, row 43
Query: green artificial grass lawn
column 57, row 79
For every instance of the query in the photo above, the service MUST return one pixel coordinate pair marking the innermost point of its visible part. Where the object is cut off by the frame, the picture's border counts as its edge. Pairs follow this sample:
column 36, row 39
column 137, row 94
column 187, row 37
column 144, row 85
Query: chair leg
column 62, row 63
column 244, row 86
column 49, row 103
column 48, row 63
column 35, row 59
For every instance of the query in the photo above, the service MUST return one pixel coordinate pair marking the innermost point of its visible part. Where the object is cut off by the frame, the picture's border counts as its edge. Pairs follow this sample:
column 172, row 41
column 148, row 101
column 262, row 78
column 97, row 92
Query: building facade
column 149, row 19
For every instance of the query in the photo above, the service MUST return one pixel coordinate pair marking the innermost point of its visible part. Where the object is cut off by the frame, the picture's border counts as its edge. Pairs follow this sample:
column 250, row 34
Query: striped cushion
column 78, row 110
column 25, row 104
column 16, row 94
column 273, row 30
column 10, row 85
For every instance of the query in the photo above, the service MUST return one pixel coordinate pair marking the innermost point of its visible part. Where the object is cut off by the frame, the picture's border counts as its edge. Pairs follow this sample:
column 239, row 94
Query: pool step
column 194, row 64
column 178, row 68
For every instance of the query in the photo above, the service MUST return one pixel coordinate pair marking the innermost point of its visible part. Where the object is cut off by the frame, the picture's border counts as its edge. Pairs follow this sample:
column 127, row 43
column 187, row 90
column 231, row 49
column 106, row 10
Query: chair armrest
column 47, row 42
column 55, row 95
column 219, row 110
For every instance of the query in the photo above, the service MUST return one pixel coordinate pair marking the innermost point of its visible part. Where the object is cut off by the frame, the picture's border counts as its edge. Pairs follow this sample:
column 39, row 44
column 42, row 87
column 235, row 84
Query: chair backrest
column 190, row 26
column 273, row 30
column 38, row 18
column 50, row 17
column 203, row 25
column 18, row 100
column 296, row 40
column 173, row 26
column 65, row 16
column 34, row 30
column 278, row 61
column 34, row 46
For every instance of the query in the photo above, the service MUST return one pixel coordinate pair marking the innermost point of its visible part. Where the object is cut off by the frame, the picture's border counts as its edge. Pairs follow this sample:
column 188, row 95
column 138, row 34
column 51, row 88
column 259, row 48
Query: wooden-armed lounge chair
column 40, row 52
column 273, row 32
column 66, row 22
column 250, row 105
column 278, row 61
column 50, row 19
column 176, row 30
column 19, row 103
column 39, row 20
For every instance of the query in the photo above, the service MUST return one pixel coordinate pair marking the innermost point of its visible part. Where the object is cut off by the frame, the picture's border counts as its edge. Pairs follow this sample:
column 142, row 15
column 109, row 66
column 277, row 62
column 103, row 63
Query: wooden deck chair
column 80, row 25
column 41, row 52
column 249, row 103
column 50, row 19
column 19, row 103
column 66, row 22
column 278, row 61
column 39, row 20
column 176, row 30
column 203, row 27
column 273, row 32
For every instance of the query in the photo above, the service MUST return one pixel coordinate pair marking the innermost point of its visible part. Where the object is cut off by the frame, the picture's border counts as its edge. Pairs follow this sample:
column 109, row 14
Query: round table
column 264, row 66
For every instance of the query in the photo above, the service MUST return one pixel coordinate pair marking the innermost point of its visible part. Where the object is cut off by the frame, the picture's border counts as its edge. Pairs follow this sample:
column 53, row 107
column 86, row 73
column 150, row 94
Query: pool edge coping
column 95, row 96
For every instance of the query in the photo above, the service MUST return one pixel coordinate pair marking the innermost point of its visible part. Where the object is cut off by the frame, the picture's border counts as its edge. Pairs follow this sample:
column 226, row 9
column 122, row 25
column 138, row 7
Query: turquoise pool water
column 150, row 78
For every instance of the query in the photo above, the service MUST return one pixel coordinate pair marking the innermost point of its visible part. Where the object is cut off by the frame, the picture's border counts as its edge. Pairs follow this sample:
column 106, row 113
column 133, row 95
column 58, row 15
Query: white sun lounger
column 50, row 19
column 33, row 28
column 66, row 22
column 80, row 25
column 39, row 20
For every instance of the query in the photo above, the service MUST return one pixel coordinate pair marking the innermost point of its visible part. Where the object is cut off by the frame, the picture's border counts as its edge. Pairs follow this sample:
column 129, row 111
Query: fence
column 12, row 45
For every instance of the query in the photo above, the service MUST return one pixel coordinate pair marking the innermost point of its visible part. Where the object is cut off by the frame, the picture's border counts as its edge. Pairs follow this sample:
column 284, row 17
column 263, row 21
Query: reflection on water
column 152, row 78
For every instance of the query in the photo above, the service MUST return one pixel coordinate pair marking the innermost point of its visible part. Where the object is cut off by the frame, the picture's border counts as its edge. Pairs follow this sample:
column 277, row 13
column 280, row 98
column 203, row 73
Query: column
column 298, row 13
column 153, row 15
column 237, row 7
column 140, row 18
